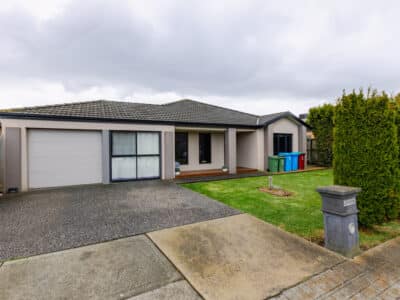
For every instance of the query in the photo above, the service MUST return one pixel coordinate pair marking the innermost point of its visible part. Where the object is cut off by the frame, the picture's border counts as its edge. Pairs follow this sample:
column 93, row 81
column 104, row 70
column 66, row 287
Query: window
column 181, row 148
column 123, row 160
column 124, row 143
column 135, row 155
column 282, row 142
column 204, row 148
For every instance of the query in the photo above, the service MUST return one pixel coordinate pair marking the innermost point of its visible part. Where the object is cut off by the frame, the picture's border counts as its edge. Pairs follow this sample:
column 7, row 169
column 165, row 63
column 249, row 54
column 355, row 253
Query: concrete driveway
column 237, row 257
column 233, row 257
column 51, row 220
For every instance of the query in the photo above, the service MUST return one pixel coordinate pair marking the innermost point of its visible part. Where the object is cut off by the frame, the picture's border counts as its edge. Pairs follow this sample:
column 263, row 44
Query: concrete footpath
column 113, row 270
column 236, row 257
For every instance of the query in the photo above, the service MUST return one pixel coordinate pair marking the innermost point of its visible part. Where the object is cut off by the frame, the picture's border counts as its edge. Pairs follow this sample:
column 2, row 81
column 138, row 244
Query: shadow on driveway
column 51, row 220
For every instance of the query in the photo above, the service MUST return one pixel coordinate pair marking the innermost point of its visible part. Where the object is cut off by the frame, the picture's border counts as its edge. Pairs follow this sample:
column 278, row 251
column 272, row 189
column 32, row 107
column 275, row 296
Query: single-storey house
column 108, row 141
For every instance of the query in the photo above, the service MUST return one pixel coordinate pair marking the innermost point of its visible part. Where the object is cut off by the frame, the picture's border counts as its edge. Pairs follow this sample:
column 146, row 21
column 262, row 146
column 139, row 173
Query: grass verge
column 300, row 213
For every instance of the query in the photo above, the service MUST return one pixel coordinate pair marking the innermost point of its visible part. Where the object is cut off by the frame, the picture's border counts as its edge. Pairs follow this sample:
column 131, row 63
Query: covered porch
column 214, row 172
column 218, row 151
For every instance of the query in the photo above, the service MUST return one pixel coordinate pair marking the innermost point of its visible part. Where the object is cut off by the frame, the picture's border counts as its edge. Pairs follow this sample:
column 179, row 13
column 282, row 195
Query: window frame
column 136, row 155
column 187, row 147
column 210, row 143
column 277, row 135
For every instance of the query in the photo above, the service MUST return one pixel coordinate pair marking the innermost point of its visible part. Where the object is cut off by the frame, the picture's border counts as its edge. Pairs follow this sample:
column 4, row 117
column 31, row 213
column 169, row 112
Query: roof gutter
column 10, row 115
column 110, row 120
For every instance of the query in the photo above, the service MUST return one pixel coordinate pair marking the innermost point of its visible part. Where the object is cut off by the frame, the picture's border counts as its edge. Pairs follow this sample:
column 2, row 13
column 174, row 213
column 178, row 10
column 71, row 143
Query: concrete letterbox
column 339, row 207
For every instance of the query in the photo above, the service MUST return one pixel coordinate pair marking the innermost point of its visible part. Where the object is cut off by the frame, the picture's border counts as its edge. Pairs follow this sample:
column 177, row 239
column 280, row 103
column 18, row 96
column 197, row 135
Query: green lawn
column 299, row 213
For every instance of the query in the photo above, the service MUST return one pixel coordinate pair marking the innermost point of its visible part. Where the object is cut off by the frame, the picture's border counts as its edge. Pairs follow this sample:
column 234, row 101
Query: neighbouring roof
column 179, row 112
column 268, row 119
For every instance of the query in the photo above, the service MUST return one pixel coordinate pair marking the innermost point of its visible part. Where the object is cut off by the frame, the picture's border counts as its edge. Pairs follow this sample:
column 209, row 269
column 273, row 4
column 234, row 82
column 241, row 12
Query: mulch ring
column 276, row 192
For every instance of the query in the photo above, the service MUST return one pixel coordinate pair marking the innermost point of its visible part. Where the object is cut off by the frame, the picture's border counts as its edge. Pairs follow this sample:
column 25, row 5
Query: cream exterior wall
column 253, row 148
column 26, row 124
column 168, row 158
column 230, row 158
column 283, row 126
column 303, row 142
column 12, row 159
column 250, row 149
column 217, row 152
column 1, row 159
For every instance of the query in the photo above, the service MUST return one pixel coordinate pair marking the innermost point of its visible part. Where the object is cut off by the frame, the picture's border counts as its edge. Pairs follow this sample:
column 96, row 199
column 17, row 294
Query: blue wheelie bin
column 288, row 160
column 295, row 160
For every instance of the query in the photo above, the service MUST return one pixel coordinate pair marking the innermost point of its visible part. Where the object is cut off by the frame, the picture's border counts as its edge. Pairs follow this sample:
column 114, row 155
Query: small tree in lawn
column 366, row 153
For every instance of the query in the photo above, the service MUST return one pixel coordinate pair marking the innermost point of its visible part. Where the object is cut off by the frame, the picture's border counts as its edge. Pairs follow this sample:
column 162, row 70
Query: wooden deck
column 307, row 169
column 214, row 172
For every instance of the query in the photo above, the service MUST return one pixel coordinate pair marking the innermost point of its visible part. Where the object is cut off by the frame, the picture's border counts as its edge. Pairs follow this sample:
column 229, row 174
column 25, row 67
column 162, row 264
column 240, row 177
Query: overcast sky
column 257, row 56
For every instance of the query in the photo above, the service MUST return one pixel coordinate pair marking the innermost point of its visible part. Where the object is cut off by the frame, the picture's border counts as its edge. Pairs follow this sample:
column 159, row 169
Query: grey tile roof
column 198, row 112
column 271, row 117
column 183, row 111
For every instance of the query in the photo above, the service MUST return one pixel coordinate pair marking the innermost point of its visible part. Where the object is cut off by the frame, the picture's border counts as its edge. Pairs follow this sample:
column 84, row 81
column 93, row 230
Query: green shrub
column 396, row 108
column 366, row 153
column 321, row 120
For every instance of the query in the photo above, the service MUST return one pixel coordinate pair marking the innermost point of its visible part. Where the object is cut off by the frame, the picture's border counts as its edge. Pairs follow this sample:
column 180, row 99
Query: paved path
column 372, row 275
column 52, row 220
column 241, row 257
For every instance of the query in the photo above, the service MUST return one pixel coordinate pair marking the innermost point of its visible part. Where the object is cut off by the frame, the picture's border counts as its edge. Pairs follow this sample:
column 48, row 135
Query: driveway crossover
column 51, row 220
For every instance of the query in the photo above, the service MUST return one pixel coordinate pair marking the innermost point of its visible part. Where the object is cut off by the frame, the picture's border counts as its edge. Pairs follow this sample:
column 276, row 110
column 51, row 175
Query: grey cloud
column 240, row 51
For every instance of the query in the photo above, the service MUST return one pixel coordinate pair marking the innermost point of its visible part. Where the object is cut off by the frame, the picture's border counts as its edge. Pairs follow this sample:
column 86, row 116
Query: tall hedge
column 366, row 154
column 396, row 107
column 321, row 120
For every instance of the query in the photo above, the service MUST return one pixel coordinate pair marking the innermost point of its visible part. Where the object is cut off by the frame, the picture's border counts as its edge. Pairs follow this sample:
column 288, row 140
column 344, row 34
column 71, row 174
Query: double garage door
column 72, row 157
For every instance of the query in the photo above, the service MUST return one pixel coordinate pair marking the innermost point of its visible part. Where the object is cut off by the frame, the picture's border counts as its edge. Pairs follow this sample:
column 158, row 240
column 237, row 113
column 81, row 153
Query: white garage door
column 64, row 157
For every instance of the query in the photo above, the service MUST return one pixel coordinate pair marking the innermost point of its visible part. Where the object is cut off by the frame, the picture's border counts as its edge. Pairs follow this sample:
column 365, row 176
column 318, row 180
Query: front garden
column 299, row 213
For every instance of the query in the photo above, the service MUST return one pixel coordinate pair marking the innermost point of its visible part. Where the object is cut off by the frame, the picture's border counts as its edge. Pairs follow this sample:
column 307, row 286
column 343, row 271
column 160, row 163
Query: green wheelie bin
column 281, row 164
column 273, row 163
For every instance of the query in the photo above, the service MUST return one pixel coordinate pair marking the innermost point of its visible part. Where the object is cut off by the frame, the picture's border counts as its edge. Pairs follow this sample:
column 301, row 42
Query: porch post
column 230, row 150
column 168, row 156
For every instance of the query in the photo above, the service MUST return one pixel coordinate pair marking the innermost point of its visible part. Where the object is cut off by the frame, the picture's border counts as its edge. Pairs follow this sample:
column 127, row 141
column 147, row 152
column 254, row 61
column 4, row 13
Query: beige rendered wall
column 12, row 161
column 250, row 149
column 217, row 152
column 285, row 125
column 282, row 126
column 230, row 149
column 1, row 160
column 168, row 142
column 30, row 124
column 303, row 142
